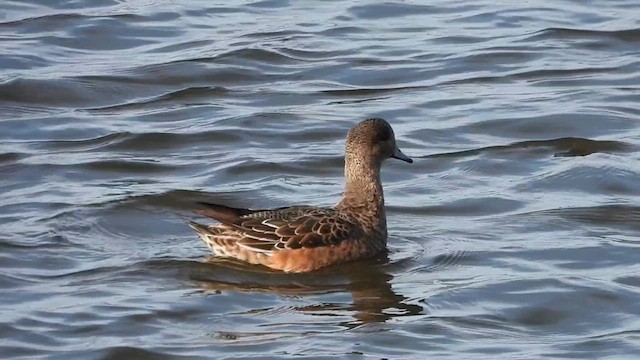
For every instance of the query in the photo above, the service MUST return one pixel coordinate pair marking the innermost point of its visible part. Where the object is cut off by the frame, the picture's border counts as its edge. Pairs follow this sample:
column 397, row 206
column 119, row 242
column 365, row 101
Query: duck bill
column 397, row 154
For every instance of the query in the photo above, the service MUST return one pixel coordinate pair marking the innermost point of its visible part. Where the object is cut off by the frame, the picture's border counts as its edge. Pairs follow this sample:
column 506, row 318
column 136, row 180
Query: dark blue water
column 515, row 233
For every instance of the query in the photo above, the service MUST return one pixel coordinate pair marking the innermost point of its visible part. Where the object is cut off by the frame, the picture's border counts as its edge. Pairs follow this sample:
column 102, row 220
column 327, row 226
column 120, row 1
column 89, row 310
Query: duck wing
column 284, row 228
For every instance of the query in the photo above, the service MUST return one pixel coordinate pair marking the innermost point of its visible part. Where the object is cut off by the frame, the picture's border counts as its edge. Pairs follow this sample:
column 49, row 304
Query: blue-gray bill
column 397, row 154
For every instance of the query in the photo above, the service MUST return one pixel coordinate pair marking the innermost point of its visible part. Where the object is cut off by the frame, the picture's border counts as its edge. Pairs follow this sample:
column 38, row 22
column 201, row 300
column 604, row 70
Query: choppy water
column 515, row 234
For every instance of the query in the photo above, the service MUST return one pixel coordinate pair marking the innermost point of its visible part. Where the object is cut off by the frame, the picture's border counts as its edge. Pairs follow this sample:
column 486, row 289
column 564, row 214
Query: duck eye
column 383, row 135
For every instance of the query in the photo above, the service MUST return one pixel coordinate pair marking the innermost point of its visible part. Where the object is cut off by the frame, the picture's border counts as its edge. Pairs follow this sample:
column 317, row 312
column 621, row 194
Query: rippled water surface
column 514, row 234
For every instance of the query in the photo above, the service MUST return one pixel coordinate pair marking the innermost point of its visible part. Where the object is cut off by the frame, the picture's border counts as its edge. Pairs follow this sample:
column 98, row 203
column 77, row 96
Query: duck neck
column 363, row 191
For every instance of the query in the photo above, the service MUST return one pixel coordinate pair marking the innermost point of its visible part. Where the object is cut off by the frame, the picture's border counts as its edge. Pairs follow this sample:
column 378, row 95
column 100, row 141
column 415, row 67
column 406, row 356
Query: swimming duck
column 306, row 238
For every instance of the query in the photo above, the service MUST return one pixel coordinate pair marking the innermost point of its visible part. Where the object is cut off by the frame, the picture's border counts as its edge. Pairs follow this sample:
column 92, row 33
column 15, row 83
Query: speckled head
column 373, row 140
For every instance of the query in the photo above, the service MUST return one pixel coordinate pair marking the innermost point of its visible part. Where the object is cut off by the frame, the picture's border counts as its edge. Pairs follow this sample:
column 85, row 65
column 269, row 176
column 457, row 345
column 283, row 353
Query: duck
column 300, row 239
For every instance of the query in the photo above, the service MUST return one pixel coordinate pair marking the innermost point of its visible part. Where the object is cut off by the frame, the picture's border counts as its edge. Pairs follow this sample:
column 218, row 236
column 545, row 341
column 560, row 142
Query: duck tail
column 202, row 230
column 224, row 214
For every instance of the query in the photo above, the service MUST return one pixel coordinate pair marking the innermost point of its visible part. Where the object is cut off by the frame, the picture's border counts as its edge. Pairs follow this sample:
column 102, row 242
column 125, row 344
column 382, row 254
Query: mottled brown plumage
column 305, row 238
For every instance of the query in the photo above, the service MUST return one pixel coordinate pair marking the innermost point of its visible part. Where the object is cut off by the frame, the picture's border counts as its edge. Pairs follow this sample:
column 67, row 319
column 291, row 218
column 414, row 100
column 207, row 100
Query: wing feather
column 281, row 229
column 298, row 229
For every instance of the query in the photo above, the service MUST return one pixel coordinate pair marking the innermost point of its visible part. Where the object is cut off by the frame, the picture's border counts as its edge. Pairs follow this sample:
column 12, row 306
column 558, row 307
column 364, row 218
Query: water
column 513, row 235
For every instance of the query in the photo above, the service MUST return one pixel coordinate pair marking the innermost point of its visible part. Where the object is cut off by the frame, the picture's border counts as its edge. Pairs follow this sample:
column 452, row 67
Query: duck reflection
column 368, row 282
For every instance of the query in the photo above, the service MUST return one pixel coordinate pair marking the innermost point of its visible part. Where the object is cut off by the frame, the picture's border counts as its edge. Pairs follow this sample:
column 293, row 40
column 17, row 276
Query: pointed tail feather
column 205, row 235
column 224, row 214
column 202, row 230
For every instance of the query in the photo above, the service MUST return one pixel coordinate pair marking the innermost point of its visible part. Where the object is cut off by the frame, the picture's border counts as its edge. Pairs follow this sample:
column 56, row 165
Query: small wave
column 140, row 141
column 627, row 35
column 46, row 92
column 281, row 34
column 594, row 177
column 61, row 18
column 403, row 254
column 565, row 147
column 542, row 76
column 260, row 55
column 568, row 124
column 390, row 10
column 466, row 207
column 181, row 72
column 627, row 216
column 363, row 91
column 73, row 92
column 188, row 97
column 443, row 261
column 11, row 281
column 126, row 166
column 83, row 144
column 12, row 157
